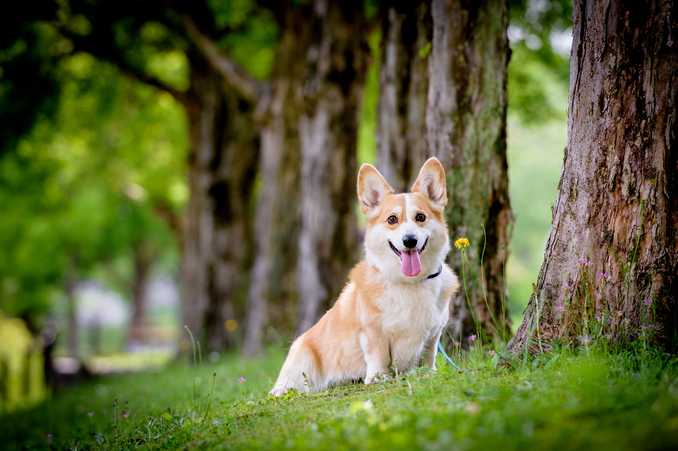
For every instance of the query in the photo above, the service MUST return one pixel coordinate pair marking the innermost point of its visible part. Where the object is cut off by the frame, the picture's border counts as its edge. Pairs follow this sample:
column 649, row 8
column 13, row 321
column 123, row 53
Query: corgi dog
column 390, row 315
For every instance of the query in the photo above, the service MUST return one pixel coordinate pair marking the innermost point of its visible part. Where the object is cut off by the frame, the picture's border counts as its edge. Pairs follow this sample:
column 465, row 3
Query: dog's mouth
column 409, row 259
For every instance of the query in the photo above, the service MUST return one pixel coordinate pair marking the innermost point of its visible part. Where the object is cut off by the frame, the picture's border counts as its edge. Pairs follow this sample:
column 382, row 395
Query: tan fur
column 383, row 320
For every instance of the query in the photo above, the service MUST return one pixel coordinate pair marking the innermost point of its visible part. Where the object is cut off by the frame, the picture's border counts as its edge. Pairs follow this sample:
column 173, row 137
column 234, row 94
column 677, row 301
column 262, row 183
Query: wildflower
column 241, row 379
column 456, row 343
column 598, row 318
column 602, row 275
column 49, row 436
column 472, row 348
column 608, row 336
column 461, row 243
column 90, row 414
column 648, row 302
column 588, row 263
column 620, row 312
column 644, row 327
column 585, row 340
column 473, row 337
column 567, row 287
column 625, row 321
column 491, row 352
column 613, row 323
column 125, row 415
column 560, row 308
column 581, row 261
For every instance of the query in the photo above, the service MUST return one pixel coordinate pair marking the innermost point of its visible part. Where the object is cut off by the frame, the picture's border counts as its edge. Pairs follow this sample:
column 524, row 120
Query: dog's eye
column 392, row 220
column 421, row 217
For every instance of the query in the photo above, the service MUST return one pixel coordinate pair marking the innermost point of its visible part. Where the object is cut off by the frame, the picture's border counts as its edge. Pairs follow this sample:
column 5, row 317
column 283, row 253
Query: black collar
column 433, row 276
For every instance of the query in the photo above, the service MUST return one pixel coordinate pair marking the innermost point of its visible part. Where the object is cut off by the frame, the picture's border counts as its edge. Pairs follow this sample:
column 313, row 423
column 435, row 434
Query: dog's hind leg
column 300, row 370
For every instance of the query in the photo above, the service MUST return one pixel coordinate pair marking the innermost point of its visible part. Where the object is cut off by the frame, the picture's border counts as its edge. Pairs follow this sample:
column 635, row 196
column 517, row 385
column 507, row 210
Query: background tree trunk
column 330, row 94
column 305, row 227
column 217, row 238
column 403, row 90
column 143, row 257
column 617, row 205
column 466, row 131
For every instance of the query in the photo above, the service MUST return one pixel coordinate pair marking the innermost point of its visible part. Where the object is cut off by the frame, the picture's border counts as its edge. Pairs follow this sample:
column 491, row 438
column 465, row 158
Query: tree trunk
column 142, row 258
column 72, row 319
column 306, row 229
column 217, row 239
column 272, row 279
column 403, row 89
column 331, row 92
column 617, row 206
column 466, row 131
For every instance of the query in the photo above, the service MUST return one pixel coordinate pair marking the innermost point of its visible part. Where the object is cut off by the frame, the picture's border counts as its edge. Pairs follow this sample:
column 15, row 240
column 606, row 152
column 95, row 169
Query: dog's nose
column 410, row 241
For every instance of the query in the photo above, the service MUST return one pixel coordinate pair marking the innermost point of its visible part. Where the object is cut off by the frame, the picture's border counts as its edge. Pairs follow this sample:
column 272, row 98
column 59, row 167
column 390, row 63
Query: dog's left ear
column 431, row 182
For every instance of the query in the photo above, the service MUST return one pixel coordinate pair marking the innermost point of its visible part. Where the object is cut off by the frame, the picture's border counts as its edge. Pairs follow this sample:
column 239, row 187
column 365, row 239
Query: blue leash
column 440, row 346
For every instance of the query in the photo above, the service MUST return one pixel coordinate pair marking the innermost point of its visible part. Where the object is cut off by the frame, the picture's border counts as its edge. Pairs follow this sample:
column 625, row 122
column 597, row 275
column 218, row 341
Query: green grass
column 569, row 400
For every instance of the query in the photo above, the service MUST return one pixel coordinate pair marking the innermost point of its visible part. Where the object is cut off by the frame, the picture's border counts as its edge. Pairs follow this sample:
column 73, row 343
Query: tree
column 443, row 93
column 611, row 250
column 306, row 228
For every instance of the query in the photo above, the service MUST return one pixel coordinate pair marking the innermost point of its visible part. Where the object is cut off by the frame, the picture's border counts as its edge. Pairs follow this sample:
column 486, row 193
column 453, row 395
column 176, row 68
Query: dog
column 390, row 315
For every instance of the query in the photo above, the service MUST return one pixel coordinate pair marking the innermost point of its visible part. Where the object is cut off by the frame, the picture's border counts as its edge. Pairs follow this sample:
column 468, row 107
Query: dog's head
column 406, row 235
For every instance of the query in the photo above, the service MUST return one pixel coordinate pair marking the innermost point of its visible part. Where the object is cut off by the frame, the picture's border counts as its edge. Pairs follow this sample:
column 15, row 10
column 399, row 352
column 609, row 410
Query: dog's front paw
column 278, row 391
column 376, row 378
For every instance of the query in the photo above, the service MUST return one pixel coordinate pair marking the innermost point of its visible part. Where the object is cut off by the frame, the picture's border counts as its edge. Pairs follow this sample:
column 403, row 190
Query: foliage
column 30, row 49
column 536, row 64
column 571, row 399
column 87, row 185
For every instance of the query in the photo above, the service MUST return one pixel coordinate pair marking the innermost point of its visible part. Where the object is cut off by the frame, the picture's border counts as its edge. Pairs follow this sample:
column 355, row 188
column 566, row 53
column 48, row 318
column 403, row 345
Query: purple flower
column 613, row 323
column 648, row 302
column 456, row 343
column 608, row 336
column 588, row 263
column 581, row 261
column 560, row 308
column 620, row 312
column 49, row 435
column 241, row 379
column 471, row 348
column 598, row 318
column 584, row 339
column 473, row 337
column 625, row 320
column 125, row 415
column 491, row 352
column 90, row 414
column 602, row 275
column 567, row 287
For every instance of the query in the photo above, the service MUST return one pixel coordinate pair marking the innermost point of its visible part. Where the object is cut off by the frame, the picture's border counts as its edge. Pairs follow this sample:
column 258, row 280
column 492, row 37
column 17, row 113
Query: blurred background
column 107, row 121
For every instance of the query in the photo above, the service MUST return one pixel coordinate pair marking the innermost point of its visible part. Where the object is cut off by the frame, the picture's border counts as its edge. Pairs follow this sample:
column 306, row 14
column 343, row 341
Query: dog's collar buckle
column 433, row 276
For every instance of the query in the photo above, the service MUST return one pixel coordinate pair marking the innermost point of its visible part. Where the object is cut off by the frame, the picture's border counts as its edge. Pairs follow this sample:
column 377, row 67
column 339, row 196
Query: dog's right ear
column 371, row 188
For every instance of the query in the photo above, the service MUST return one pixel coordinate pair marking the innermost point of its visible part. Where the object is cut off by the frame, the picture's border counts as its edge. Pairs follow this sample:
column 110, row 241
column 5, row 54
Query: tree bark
column 330, row 95
column 72, row 347
column 305, row 227
column 466, row 131
column 217, row 239
column 143, row 257
column 617, row 206
column 403, row 89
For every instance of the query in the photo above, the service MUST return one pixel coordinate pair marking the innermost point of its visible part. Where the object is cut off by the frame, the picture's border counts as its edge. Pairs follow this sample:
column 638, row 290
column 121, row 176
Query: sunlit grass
column 624, row 399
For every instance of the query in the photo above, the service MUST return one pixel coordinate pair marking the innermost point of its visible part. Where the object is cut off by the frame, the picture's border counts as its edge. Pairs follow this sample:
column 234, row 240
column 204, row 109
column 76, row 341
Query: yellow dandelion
column 461, row 243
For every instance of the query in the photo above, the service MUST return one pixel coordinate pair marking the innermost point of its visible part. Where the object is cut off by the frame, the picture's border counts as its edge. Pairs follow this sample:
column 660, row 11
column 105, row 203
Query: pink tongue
column 411, row 265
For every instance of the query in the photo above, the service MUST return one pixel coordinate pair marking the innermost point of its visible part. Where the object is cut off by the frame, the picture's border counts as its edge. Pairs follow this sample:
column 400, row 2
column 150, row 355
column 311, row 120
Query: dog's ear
column 431, row 182
column 371, row 188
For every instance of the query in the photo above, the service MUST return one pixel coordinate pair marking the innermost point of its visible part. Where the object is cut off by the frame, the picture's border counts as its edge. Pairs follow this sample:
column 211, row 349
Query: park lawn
column 566, row 400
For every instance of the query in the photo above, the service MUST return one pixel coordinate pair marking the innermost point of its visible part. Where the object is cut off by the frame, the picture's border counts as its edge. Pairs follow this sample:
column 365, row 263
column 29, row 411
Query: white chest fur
column 411, row 315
